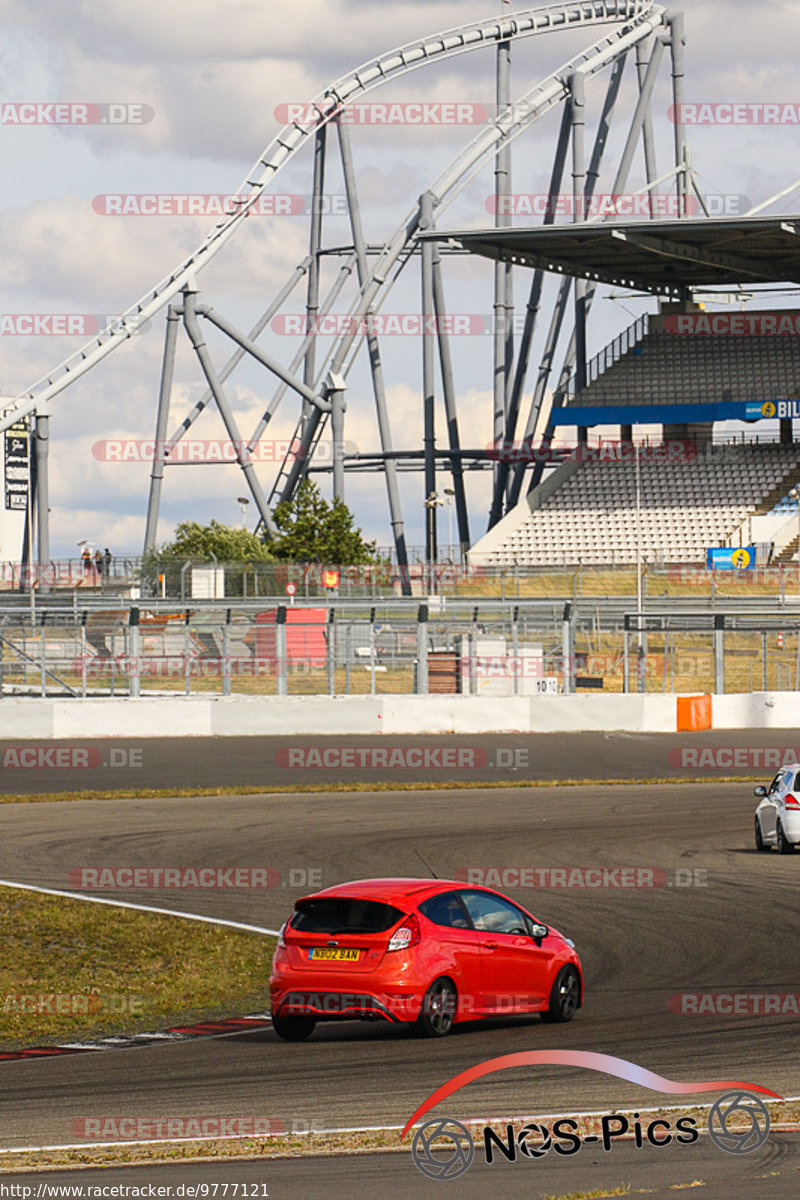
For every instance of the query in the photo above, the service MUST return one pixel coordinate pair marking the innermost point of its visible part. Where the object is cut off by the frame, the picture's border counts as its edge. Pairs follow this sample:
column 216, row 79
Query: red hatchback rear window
column 343, row 914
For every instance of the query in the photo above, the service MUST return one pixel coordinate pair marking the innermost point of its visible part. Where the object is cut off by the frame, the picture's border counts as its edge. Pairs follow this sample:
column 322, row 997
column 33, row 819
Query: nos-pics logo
column 443, row 1148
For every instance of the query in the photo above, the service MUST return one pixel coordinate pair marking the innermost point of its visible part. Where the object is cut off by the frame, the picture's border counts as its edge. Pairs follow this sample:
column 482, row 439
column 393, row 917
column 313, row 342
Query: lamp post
column 243, row 502
column 431, row 504
column 450, row 494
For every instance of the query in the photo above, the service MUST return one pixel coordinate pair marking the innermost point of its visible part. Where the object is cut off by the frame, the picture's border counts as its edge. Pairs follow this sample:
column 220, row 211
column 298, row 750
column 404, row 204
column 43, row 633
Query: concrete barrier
column 293, row 716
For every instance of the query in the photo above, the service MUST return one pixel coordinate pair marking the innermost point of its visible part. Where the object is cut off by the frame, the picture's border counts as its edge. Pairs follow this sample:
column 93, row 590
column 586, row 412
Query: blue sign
column 735, row 558
column 674, row 414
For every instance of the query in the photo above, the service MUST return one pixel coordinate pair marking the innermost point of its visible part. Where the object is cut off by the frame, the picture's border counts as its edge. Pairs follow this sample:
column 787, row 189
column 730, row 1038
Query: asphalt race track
column 770, row 1173
column 725, row 919
column 262, row 762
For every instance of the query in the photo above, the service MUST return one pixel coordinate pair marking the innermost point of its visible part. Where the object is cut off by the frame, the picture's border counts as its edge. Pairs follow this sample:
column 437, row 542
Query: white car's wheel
column 781, row 843
column 761, row 845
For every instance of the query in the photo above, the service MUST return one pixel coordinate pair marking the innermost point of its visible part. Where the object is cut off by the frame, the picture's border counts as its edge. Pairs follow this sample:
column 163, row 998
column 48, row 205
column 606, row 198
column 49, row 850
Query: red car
column 428, row 952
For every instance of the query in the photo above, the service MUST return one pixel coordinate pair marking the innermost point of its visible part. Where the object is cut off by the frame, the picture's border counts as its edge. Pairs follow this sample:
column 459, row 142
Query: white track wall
column 377, row 715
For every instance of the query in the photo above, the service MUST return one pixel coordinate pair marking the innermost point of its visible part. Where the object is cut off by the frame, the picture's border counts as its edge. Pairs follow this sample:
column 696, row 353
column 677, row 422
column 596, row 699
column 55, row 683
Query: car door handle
column 490, row 945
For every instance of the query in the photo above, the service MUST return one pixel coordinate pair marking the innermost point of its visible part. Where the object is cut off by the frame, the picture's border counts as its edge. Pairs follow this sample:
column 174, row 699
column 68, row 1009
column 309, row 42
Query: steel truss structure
column 637, row 28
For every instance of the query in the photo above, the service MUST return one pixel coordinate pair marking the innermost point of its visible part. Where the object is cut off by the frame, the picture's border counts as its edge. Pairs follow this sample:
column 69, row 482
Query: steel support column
column 314, row 247
column 648, row 141
column 373, row 351
column 451, row 414
column 619, row 184
column 239, row 353
column 428, row 382
column 201, row 350
column 159, row 456
column 503, row 341
column 559, row 308
column 42, row 449
column 577, row 103
column 504, row 485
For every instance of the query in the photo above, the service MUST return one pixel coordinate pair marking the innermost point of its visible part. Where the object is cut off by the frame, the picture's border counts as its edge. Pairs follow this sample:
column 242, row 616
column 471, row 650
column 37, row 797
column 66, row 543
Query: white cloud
column 214, row 78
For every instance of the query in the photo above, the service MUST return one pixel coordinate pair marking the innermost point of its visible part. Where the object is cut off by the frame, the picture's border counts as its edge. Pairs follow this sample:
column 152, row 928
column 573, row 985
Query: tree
column 312, row 530
column 226, row 543
column 202, row 544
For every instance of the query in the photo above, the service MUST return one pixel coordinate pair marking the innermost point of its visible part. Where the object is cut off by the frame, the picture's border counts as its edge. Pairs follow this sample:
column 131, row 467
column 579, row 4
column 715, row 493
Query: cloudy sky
column 213, row 82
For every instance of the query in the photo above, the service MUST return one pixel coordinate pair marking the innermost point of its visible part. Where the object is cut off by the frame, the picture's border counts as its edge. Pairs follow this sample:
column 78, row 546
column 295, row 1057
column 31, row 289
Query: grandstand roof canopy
column 663, row 257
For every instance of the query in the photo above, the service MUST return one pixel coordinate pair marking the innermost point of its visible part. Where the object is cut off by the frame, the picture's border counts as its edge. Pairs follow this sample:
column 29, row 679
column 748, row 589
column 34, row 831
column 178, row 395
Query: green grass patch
column 358, row 788
column 112, row 970
column 784, row 1115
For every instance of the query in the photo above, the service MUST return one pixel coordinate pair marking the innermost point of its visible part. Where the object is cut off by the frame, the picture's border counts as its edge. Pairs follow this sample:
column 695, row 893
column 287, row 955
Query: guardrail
column 399, row 647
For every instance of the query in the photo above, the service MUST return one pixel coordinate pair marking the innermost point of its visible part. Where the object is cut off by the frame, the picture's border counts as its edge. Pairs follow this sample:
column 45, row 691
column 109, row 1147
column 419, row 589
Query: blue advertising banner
column 674, row 414
column 736, row 558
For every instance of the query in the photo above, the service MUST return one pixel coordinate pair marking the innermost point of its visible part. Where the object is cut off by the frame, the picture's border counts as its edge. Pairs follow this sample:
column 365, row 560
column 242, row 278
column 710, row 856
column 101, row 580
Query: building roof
column 663, row 257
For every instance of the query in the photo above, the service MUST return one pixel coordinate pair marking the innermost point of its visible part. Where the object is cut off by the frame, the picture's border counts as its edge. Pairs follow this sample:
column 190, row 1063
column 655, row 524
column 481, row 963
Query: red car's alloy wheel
column 438, row 1009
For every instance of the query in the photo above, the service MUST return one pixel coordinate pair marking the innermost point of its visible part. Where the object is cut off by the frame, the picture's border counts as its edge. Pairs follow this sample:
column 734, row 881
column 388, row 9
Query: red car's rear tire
column 439, row 1007
column 294, row 1029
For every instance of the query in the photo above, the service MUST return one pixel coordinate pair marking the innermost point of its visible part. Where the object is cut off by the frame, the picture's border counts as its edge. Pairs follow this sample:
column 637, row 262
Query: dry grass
column 117, row 970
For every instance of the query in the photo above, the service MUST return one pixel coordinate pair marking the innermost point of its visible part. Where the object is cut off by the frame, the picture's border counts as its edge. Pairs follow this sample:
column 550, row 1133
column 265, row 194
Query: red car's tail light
column 406, row 936
column 792, row 801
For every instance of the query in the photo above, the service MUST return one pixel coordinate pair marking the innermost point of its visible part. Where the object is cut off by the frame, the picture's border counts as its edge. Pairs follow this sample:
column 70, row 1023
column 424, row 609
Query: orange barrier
column 694, row 712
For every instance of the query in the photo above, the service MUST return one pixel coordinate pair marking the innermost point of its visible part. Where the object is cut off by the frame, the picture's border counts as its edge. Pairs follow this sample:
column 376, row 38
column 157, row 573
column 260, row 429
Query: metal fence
column 185, row 581
column 442, row 645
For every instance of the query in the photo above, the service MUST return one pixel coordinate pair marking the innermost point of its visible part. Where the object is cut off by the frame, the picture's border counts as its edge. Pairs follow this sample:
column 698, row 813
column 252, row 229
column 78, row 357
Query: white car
column 778, row 814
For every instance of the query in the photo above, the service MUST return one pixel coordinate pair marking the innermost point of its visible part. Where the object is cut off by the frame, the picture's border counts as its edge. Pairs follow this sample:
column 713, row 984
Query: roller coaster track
column 639, row 18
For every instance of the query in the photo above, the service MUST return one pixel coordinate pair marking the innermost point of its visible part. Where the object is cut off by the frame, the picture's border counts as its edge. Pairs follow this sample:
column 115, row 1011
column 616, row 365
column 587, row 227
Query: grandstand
column 586, row 511
column 655, row 362
column 683, row 369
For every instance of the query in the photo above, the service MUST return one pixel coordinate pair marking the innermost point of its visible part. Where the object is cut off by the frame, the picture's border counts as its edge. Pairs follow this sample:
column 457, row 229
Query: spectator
column 86, row 558
column 98, row 562
column 107, row 562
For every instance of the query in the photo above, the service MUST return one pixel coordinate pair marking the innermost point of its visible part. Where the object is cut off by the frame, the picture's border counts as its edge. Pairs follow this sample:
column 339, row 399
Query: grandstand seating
column 669, row 368
column 588, row 513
